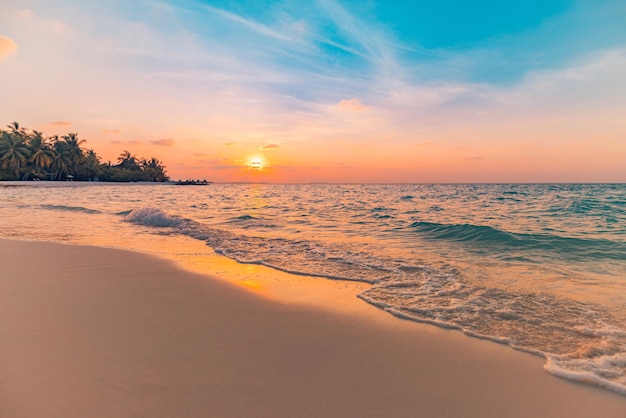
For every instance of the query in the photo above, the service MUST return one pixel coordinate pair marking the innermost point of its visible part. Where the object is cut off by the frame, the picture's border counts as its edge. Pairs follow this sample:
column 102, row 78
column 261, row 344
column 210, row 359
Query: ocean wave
column 251, row 222
column 512, row 199
column 243, row 218
column 479, row 235
column 70, row 208
column 153, row 217
column 593, row 206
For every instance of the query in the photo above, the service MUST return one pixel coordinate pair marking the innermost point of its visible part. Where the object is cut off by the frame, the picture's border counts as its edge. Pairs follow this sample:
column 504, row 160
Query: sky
column 328, row 90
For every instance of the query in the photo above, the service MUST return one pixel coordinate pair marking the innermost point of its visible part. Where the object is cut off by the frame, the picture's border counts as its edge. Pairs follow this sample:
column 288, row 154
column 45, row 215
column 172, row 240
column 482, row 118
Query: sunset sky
column 328, row 90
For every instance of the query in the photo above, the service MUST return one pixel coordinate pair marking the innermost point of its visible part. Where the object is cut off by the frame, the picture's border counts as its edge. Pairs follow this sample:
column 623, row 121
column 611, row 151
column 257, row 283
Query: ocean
column 539, row 267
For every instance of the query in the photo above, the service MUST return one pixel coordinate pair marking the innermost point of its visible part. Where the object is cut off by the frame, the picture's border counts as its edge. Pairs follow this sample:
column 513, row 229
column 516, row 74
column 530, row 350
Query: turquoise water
column 541, row 268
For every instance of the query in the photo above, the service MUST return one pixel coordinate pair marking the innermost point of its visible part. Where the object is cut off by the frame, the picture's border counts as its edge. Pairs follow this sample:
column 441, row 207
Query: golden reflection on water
column 285, row 288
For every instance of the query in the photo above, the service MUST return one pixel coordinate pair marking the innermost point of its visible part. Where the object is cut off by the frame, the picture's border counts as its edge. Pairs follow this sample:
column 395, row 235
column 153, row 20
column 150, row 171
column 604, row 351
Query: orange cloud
column 111, row 131
column 117, row 142
column 268, row 147
column 165, row 142
column 352, row 104
column 60, row 123
column 7, row 46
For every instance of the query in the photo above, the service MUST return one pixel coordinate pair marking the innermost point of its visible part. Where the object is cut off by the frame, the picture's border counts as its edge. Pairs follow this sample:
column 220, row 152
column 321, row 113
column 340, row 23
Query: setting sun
column 256, row 163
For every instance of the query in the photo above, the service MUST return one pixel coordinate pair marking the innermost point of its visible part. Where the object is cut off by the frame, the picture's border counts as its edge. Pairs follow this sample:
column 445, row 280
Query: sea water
column 540, row 267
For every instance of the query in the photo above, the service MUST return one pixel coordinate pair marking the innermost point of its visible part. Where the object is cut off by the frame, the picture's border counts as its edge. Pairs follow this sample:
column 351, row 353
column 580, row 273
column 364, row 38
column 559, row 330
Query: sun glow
column 256, row 163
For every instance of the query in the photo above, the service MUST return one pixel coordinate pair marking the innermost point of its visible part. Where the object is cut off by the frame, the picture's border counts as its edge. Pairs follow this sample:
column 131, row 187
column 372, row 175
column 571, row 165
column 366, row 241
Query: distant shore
column 95, row 332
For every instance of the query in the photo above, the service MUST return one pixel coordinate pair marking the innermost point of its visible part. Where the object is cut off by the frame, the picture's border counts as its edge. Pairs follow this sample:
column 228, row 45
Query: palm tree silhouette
column 155, row 168
column 128, row 161
column 75, row 152
column 15, row 129
column 62, row 158
column 26, row 153
column 13, row 151
column 41, row 152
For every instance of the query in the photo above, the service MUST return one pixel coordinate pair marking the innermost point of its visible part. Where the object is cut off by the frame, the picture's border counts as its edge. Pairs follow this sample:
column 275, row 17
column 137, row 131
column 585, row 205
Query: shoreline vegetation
column 29, row 155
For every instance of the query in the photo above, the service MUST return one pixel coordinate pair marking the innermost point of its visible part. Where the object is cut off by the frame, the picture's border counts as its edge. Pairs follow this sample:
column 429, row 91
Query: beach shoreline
column 100, row 332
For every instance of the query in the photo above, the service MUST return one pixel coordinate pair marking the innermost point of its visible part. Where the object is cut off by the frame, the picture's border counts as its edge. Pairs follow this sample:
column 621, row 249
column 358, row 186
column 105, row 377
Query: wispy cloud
column 226, row 167
column 358, row 32
column 7, row 46
column 354, row 105
column 111, row 131
column 120, row 142
column 378, row 46
column 601, row 74
column 248, row 23
column 25, row 13
column 268, row 147
column 60, row 123
column 165, row 142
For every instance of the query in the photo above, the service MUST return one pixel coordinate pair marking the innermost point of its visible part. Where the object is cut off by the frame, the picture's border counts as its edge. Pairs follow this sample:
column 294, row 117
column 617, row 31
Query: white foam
column 603, row 371
column 152, row 217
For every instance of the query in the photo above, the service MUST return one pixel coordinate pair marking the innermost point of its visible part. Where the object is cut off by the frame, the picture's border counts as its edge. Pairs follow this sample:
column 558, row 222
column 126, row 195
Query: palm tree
column 41, row 153
column 152, row 163
column 61, row 160
column 13, row 151
column 128, row 161
column 90, row 168
column 15, row 129
column 155, row 169
column 75, row 152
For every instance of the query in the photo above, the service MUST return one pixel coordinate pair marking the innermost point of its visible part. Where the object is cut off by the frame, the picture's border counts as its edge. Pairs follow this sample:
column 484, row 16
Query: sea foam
column 152, row 217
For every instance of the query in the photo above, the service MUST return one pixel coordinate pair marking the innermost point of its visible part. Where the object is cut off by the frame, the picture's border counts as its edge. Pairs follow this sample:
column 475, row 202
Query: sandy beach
column 96, row 332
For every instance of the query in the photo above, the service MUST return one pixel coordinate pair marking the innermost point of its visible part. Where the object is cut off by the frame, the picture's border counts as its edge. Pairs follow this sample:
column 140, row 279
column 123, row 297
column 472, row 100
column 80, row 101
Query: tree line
column 28, row 155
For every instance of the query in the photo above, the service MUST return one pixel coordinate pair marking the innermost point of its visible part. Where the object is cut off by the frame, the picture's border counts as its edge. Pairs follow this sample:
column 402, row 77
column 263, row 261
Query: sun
column 256, row 163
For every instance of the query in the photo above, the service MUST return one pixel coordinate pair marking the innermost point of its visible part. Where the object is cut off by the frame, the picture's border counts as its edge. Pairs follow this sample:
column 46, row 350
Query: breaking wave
column 487, row 236
column 152, row 217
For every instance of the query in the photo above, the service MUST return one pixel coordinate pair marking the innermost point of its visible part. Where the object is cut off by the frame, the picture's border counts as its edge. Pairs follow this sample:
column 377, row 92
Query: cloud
column 599, row 75
column 111, row 131
column 268, row 147
column 226, row 167
column 60, row 123
column 250, row 24
column 358, row 32
column 165, row 142
column 7, row 46
column 25, row 13
column 352, row 104
column 118, row 142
